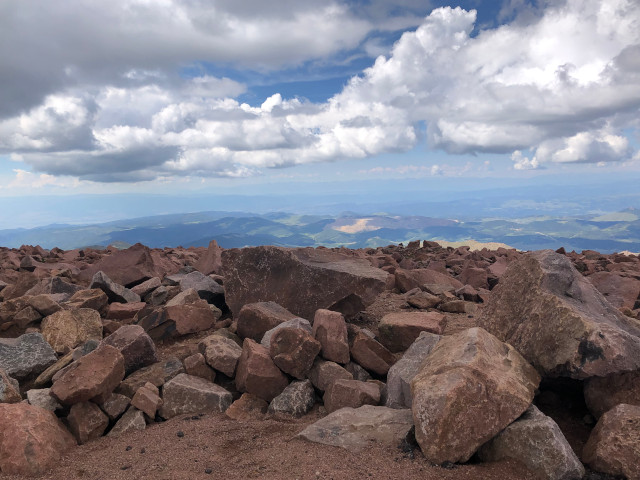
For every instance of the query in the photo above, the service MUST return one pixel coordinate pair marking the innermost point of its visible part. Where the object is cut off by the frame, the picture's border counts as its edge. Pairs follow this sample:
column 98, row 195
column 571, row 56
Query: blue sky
column 182, row 96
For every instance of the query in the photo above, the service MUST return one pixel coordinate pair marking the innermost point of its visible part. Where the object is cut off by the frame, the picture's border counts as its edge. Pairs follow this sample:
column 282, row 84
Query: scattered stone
column 124, row 312
column 293, row 350
column 558, row 321
column 257, row 374
column 423, row 300
column 40, row 397
column 133, row 419
column 187, row 394
column 146, row 287
column 178, row 320
column 601, row 394
column 9, row 389
column 536, row 441
column 371, row 355
column 114, row 291
column 26, row 356
column 470, row 387
column 402, row 372
column 354, row 429
column 93, row 298
column 247, row 407
column 324, row 373
column 44, row 304
column 221, row 353
column 208, row 289
column 614, row 444
column 350, row 393
column 620, row 291
column 135, row 345
column 196, row 365
column 46, row 377
column 32, row 439
column 330, row 329
column 95, row 375
column 54, row 286
column 300, row 323
column 407, row 280
column 357, row 372
column 187, row 296
column 87, row 422
column 255, row 319
column 157, row 374
column 66, row 329
column 147, row 400
column 115, row 405
column 211, row 261
column 295, row 400
column 397, row 331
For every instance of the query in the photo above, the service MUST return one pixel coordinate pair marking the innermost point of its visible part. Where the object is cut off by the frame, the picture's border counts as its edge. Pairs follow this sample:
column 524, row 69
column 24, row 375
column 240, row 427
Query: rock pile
column 455, row 345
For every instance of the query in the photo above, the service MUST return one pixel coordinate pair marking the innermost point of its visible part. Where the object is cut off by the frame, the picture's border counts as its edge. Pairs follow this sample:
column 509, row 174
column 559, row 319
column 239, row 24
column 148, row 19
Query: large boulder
column 87, row 422
column 614, row 444
column 620, row 291
column 536, row 441
column 398, row 330
column 355, row 429
column 257, row 374
column 558, row 321
column 330, row 329
column 114, row 291
column 178, row 320
column 301, row 280
column 137, row 348
column 470, row 387
column 32, row 439
column 350, row 393
column 370, row 354
column 66, row 329
column 93, row 376
column 221, row 353
column 601, row 394
column 208, row 289
column 26, row 356
column 54, row 286
column 293, row 350
column 93, row 298
column 324, row 373
column 255, row 319
column 188, row 394
column 300, row 323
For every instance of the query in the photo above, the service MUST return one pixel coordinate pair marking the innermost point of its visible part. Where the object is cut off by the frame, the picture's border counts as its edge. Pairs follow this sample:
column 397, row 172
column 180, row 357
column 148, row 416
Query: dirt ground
column 216, row 447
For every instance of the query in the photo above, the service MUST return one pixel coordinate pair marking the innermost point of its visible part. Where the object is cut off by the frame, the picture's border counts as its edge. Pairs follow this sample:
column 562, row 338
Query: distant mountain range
column 606, row 233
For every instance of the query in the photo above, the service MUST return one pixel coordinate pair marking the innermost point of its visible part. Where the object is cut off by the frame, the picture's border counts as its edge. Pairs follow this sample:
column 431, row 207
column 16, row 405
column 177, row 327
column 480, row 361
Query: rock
column 179, row 320
column 157, row 374
column 25, row 356
column 476, row 277
column 371, row 355
column 614, row 444
column 160, row 295
column 620, row 291
column 402, row 372
column 247, row 407
column 115, row 405
column 601, row 394
column 44, row 304
column 558, row 321
column 350, row 393
column 221, row 353
column 211, row 261
column 9, row 389
column 53, row 286
column 187, row 394
column 135, row 345
column 301, row 280
column 93, row 376
column 87, row 422
column 300, row 323
column 355, row 429
column 146, row 287
column 124, row 311
column 114, row 291
column 208, row 289
column 187, row 296
column 295, row 400
column 457, row 306
column 66, row 329
column 397, row 331
column 256, row 373
column 293, row 351
column 133, row 419
column 27, row 264
column 324, row 373
column 407, row 280
column 46, row 377
column 147, row 400
column 423, row 300
column 40, row 397
column 470, row 387
column 32, row 439
column 93, row 298
column 357, row 372
column 536, row 441
column 330, row 329
column 196, row 365
column 255, row 319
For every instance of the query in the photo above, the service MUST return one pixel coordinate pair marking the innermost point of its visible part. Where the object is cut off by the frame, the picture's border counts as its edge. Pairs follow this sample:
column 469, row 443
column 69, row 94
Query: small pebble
column 208, row 471
column 125, row 467
column 180, row 433
column 142, row 450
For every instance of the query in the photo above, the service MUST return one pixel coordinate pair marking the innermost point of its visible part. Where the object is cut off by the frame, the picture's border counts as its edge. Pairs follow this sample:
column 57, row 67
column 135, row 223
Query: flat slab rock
column 26, row 356
column 355, row 428
column 188, row 394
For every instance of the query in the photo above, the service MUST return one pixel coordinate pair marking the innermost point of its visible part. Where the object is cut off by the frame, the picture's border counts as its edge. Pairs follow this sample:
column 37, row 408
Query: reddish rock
column 423, row 300
column 189, row 295
column 157, row 374
column 293, row 351
column 324, row 373
column 255, row 319
column 32, row 439
column 221, row 353
column 44, row 304
column 476, row 277
column 300, row 323
column 146, row 287
column 66, row 329
column 295, row 400
column 9, row 389
column 558, row 321
column 196, row 365
column 247, row 407
column 114, row 291
column 614, row 444
column 397, row 331
column 135, row 345
column 115, row 405
column 124, row 311
column 178, row 320
column 371, row 355
column 93, row 376
column 469, row 388
column 87, row 422
column 147, row 400
column 188, row 394
column 407, row 280
column 330, row 329
column 457, row 306
column 350, row 393
column 301, row 280
column 132, row 420
column 54, row 286
column 620, row 291
column 211, row 260
column 603, row 393
column 93, row 298
column 257, row 374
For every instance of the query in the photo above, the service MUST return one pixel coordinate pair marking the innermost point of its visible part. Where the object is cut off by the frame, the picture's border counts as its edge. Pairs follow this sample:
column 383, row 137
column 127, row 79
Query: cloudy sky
column 189, row 95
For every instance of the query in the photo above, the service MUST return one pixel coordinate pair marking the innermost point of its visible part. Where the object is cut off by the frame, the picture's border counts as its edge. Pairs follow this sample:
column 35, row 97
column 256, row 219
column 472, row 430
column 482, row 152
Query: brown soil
column 265, row 449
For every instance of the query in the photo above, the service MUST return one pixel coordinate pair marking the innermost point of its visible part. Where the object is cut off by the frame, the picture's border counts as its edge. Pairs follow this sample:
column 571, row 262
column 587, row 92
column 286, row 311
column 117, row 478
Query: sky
column 193, row 96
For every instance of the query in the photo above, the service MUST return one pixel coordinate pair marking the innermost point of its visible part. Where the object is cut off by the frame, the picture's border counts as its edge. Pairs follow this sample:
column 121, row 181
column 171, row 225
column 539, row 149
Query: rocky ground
column 396, row 362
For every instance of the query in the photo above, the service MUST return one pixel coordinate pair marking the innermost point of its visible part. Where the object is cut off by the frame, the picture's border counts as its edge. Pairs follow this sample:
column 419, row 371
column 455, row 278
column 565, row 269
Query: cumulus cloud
column 563, row 84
